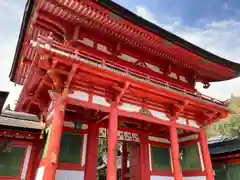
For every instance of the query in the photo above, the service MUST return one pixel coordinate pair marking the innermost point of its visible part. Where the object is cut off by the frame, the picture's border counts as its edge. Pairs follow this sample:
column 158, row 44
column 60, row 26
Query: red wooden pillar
column 112, row 143
column 175, row 153
column 124, row 161
column 92, row 153
column 53, row 149
column 206, row 156
column 144, row 157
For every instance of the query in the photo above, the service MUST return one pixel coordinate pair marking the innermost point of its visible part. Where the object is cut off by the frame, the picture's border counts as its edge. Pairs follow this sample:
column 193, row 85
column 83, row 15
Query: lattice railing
column 70, row 52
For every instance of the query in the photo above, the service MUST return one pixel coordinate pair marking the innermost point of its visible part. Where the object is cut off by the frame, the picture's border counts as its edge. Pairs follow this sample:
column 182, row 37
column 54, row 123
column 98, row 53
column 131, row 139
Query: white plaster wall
column 172, row 178
column 158, row 139
column 26, row 162
column 188, row 138
column 195, row 178
column 39, row 174
column 84, row 149
column 79, row 95
column 69, row 175
column 161, row 178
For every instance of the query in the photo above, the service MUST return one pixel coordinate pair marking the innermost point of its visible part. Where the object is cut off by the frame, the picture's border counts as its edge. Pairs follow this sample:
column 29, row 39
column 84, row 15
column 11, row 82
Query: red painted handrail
column 62, row 47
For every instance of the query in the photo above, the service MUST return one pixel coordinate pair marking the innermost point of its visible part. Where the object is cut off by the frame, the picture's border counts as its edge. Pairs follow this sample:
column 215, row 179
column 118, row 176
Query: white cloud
column 13, row 8
column 144, row 13
column 219, row 37
column 226, row 7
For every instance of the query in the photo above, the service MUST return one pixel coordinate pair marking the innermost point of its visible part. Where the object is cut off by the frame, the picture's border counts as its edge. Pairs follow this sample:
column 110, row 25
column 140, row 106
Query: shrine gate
column 95, row 72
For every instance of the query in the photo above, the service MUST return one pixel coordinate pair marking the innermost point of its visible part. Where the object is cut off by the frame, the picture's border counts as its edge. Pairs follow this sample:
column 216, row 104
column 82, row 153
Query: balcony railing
column 70, row 52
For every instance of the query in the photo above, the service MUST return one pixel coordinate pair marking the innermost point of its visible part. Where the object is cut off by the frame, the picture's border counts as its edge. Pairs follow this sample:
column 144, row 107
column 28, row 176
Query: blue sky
column 190, row 11
column 212, row 24
column 11, row 13
column 10, row 20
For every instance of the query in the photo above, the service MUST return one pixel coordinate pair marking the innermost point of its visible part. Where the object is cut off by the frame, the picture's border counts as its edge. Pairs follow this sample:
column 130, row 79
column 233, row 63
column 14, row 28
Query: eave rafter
column 66, row 21
column 73, row 33
column 69, row 29
column 85, row 19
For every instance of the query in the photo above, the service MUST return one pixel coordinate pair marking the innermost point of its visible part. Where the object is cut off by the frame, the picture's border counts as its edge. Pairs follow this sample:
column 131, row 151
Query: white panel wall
column 26, row 162
column 69, row 175
column 161, row 178
column 195, row 178
column 84, row 149
column 172, row 178
column 39, row 174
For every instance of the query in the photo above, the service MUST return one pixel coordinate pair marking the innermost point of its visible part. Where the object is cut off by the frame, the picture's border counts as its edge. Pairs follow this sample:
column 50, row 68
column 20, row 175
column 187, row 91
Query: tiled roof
column 21, row 120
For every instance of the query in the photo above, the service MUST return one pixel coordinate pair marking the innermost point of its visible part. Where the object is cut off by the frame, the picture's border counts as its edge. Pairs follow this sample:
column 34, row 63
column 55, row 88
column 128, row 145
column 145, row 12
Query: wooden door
column 134, row 150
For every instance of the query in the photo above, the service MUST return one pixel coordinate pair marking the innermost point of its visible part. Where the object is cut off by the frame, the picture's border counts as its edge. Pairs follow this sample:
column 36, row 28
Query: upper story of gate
column 110, row 33
column 112, row 45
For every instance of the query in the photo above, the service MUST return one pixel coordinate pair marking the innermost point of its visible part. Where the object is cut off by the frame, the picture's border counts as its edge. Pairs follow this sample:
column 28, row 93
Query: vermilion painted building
column 19, row 143
column 96, row 74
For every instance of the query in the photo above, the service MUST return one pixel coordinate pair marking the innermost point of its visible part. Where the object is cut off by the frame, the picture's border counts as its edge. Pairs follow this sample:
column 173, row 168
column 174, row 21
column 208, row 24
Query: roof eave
column 130, row 16
column 26, row 17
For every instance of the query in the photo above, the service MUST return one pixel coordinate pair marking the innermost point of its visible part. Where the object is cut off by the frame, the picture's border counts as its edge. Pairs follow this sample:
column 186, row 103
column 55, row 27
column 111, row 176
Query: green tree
column 230, row 126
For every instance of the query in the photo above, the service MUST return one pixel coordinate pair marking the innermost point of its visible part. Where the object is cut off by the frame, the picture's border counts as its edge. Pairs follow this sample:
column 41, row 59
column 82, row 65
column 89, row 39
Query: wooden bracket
column 57, row 81
column 115, row 50
column 176, row 109
column 71, row 75
column 121, row 91
column 141, row 64
column 74, row 36
column 208, row 116
column 214, row 116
